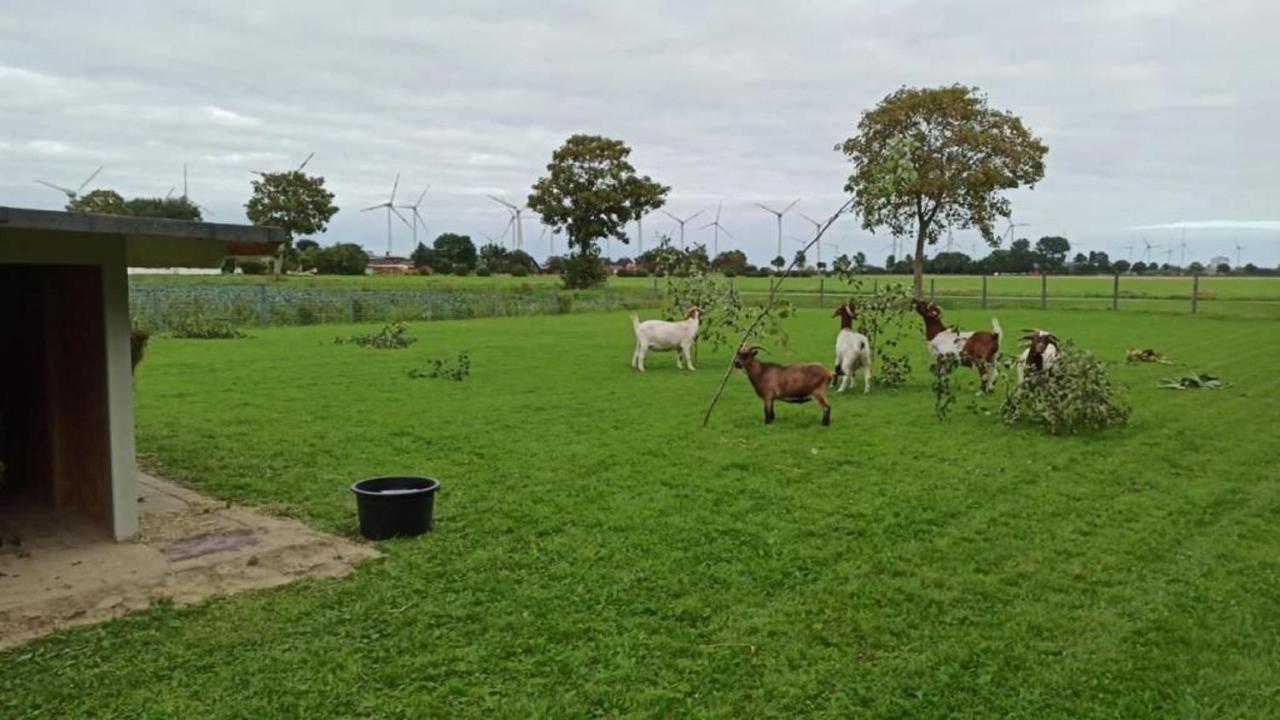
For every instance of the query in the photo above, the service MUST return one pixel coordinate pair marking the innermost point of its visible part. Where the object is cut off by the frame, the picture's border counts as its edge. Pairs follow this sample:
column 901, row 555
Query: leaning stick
column 768, row 305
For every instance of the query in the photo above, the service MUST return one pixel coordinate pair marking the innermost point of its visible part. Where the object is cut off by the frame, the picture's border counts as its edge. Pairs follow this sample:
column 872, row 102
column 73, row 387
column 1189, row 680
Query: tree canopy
column 590, row 192
column 925, row 159
column 1053, row 250
column 172, row 208
column 451, row 249
column 293, row 201
column 100, row 202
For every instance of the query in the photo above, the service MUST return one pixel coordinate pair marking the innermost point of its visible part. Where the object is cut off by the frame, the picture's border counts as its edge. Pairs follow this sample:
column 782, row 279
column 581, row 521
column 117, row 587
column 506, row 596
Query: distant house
column 389, row 265
column 1214, row 262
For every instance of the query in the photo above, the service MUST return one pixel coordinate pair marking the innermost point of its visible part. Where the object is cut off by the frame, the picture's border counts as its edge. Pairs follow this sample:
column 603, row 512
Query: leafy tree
column 172, row 208
column 590, row 192
column 778, row 263
column 342, row 259
column 1053, row 250
column 926, row 159
column 1099, row 262
column 422, row 256
column 950, row 263
column 306, row 244
column 889, row 262
column 731, row 262
column 1121, row 266
column 1194, row 267
column 1222, row 268
column 100, row 202
column 1139, row 268
column 859, row 261
column 1250, row 269
column 452, row 249
column 296, row 202
column 800, row 259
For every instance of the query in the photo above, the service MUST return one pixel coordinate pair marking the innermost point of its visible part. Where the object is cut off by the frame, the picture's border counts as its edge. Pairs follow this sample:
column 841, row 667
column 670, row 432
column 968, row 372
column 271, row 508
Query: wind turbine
column 516, row 219
column 1129, row 248
column 1149, row 248
column 779, row 214
column 1013, row 226
column 390, row 205
column 718, row 229
column 682, row 222
column 816, row 227
column 203, row 210
column 416, row 215
column 299, row 169
column 72, row 194
column 550, row 235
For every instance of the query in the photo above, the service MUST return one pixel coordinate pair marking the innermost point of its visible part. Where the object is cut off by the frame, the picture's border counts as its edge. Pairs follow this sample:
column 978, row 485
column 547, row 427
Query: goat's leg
column 635, row 356
column 821, row 396
column 688, row 361
column 866, row 376
column 641, row 350
column 992, row 374
column 768, row 411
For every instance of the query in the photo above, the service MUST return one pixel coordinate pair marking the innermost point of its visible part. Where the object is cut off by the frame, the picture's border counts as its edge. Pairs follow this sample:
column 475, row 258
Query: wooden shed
column 66, row 407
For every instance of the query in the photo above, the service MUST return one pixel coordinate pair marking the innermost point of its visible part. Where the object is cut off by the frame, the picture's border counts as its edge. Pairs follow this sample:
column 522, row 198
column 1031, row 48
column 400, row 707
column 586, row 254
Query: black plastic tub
column 395, row 506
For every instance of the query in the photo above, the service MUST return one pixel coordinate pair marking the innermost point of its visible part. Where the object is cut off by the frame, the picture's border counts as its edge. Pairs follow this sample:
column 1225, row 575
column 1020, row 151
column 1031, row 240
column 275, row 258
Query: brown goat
column 137, row 346
column 977, row 349
column 788, row 383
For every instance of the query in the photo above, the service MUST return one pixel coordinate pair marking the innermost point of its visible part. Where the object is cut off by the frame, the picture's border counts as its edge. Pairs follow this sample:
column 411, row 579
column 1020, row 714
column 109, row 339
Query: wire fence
column 160, row 305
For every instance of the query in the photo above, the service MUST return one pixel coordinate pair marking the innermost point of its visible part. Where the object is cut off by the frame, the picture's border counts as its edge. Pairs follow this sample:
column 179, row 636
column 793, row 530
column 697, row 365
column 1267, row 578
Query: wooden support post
column 984, row 291
column 1044, row 290
column 1195, row 292
column 1115, row 293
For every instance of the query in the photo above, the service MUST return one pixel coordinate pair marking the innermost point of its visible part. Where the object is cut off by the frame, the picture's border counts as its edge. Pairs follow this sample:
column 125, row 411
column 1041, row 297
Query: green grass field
column 597, row 553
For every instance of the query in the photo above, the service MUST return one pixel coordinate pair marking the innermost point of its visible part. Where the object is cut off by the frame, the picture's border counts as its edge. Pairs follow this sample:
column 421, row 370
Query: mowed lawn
column 598, row 553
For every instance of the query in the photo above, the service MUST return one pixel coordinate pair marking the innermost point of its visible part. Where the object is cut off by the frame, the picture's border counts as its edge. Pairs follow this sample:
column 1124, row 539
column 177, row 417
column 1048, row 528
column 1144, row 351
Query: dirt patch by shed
column 56, row 574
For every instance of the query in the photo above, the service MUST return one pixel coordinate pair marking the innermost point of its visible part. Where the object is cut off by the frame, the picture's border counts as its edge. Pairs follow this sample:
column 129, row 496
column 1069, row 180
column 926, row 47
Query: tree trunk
column 917, row 267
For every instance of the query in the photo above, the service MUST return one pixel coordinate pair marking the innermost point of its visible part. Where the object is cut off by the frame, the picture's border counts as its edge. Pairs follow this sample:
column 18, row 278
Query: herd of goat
column 803, row 382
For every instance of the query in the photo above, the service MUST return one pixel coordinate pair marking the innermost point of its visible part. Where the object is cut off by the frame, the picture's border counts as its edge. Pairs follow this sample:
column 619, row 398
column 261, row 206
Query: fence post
column 1115, row 293
column 875, row 286
column 1044, row 290
column 1195, row 292
column 933, row 288
column 984, row 291
column 264, row 314
column 822, row 290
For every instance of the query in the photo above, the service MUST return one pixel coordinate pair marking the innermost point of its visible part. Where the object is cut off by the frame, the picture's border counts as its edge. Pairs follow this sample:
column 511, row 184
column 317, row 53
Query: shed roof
column 149, row 242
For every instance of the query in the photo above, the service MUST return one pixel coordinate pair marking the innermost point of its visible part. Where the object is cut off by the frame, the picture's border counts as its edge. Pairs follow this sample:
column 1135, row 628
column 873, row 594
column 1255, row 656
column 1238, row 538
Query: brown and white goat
column 788, row 383
column 973, row 349
column 1041, row 354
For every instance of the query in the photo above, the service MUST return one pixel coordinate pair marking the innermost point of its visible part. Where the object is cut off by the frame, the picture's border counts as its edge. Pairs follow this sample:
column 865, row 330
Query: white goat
column 663, row 335
column 853, row 350
column 1040, row 355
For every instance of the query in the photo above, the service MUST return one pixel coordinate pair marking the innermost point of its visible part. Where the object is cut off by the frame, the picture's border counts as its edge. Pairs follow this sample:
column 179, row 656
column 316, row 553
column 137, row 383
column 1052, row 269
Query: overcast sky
column 1156, row 112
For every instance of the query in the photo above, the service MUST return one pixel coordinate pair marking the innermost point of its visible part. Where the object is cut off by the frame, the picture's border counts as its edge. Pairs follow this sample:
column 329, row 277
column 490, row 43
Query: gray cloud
column 1154, row 111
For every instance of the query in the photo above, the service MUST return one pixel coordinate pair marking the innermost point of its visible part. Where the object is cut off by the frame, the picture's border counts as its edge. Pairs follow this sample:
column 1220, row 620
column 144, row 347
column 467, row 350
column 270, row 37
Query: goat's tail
column 635, row 323
column 995, row 327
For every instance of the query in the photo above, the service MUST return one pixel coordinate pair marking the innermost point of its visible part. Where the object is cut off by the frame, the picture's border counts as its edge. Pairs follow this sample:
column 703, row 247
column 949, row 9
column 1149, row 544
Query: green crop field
column 598, row 553
column 1066, row 286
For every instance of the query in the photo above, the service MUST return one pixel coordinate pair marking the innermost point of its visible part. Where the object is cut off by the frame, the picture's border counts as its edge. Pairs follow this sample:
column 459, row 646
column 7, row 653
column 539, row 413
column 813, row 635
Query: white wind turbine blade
column 694, row 215
column 673, row 217
column 719, row 207
column 793, row 204
column 762, row 206
column 373, row 207
column 402, row 218
column 65, row 191
column 723, row 230
column 713, row 223
column 812, row 222
column 88, row 180
column 170, row 193
column 304, row 162
column 424, row 194
column 394, row 187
